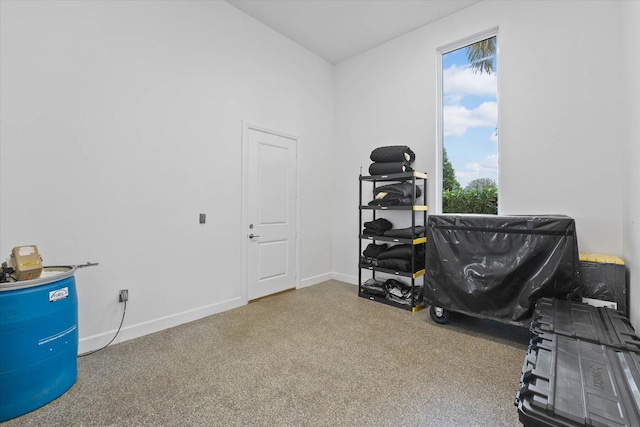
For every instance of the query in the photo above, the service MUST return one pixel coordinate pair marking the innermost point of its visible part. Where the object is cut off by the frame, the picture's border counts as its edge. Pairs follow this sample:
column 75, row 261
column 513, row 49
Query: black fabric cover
column 606, row 282
column 499, row 266
column 387, row 168
column 405, row 233
column 377, row 226
column 392, row 153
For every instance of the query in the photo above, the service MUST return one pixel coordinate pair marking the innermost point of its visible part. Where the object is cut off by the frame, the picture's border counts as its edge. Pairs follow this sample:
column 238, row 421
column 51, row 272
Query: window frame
column 440, row 52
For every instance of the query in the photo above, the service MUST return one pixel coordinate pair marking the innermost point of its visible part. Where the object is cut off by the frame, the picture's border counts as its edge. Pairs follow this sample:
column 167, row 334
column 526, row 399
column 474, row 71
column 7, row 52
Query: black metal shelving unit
column 417, row 179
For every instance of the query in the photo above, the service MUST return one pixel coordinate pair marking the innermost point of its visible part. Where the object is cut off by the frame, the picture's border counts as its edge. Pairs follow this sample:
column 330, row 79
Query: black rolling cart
column 498, row 267
column 414, row 240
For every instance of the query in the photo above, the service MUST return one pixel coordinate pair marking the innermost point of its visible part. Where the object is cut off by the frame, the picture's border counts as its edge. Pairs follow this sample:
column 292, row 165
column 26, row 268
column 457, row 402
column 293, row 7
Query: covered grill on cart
column 497, row 267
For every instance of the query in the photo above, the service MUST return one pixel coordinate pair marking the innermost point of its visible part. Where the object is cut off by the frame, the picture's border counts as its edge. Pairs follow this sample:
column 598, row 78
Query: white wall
column 561, row 127
column 122, row 121
column 631, row 151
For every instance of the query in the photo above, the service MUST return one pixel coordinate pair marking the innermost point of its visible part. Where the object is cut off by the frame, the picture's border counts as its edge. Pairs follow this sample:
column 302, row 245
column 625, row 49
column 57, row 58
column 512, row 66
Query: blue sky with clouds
column 470, row 114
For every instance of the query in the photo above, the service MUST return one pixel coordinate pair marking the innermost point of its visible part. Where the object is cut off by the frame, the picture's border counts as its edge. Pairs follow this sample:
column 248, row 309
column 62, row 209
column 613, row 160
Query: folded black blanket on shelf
column 392, row 201
column 397, row 251
column 402, row 252
column 393, row 153
column 405, row 233
column 377, row 226
column 372, row 250
column 398, row 264
column 378, row 168
column 367, row 261
column 400, row 190
column 394, row 264
column 395, row 194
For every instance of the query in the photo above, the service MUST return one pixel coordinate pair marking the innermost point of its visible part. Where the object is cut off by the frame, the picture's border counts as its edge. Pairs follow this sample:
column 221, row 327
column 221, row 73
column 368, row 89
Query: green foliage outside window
column 449, row 181
column 479, row 196
column 480, row 201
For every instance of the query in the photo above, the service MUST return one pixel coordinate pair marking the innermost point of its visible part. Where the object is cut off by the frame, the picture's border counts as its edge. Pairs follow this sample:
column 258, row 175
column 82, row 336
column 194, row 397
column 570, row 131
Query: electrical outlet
column 124, row 295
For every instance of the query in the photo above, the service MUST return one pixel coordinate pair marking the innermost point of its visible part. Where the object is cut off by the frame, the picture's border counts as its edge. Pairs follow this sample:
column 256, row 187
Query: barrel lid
column 49, row 275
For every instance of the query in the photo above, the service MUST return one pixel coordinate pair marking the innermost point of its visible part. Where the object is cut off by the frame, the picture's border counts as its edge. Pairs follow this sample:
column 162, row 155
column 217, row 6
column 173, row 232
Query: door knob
column 251, row 236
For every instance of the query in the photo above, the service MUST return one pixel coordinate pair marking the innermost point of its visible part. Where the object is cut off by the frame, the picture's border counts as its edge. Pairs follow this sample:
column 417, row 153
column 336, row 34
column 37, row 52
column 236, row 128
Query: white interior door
column 271, row 228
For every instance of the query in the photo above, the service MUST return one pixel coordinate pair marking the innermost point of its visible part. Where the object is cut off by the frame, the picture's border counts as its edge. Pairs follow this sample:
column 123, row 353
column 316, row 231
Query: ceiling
column 339, row 29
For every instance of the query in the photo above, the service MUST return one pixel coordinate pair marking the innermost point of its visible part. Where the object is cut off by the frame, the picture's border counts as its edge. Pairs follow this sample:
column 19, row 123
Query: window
column 468, row 126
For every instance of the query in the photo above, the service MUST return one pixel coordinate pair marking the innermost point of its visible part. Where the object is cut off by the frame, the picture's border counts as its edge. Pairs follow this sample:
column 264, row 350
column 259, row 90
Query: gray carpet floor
column 319, row 356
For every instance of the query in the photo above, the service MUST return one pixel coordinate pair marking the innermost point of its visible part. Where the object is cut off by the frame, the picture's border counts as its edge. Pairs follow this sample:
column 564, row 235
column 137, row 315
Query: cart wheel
column 440, row 315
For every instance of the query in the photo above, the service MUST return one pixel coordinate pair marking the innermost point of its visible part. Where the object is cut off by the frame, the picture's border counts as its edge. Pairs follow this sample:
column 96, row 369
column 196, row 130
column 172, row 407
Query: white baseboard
column 310, row 281
column 95, row 342
column 345, row 278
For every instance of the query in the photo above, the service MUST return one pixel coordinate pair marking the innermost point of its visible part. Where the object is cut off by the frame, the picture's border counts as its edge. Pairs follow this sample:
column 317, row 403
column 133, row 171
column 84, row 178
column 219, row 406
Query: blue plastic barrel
column 38, row 340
